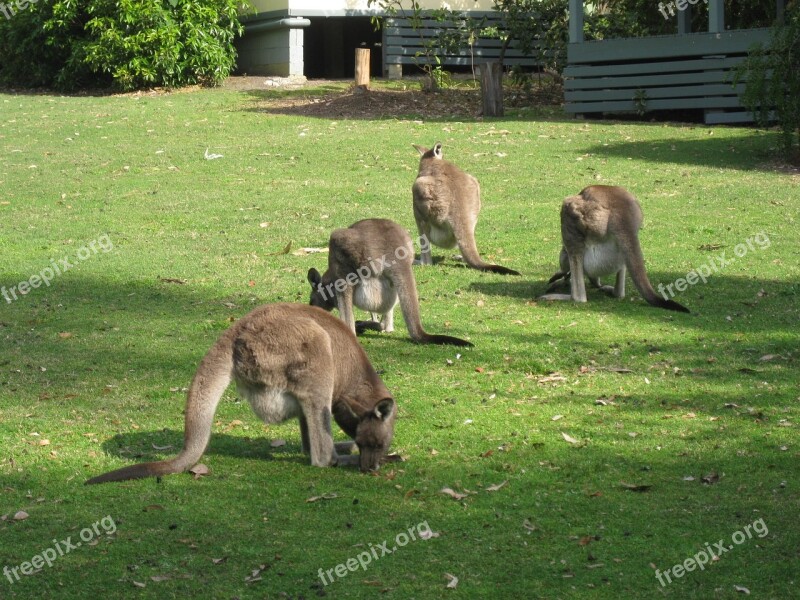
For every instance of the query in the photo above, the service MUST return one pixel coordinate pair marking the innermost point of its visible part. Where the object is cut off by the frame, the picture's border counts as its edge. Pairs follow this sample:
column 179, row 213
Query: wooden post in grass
column 492, row 89
column 362, row 69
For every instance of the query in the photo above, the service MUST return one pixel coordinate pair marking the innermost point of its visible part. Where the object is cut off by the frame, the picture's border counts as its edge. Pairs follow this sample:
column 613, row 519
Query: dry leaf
column 497, row 486
column 742, row 589
column 172, row 280
column 487, row 454
column 586, row 540
column 139, row 584
column 328, row 496
column 150, row 507
column 277, row 443
column 199, row 470
column 688, row 478
column 528, row 525
column 452, row 581
column 219, row 561
column 710, row 479
column 569, row 438
column 158, row 578
column 452, row 493
column 635, row 487
column 551, row 378
column 44, row 442
column 20, row 515
column 64, row 335
column 167, row 447
column 768, row 357
column 556, row 417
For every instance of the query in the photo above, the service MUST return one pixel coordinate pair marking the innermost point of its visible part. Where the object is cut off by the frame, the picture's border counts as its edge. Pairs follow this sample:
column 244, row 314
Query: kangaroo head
column 320, row 296
column 374, row 434
column 435, row 152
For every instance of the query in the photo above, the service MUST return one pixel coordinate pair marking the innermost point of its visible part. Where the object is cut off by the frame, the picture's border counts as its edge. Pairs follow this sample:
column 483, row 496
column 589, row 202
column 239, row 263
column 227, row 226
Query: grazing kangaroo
column 446, row 205
column 288, row 360
column 600, row 232
column 369, row 266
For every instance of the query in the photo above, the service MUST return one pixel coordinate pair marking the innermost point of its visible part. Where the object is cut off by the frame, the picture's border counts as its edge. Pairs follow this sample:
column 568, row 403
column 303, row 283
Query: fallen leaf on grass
column 158, row 578
column 139, row 584
column 633, row 487
column 285, row 250
column 528, row 525
column 551, row 378
column 328, row 496
column 304, row 251
column 219, row 561
column 20, row 515
column 452, row 493
column 172, row 280
column 199, row 470
column 595, row 566
column 497, row 486
column 452, row 581
column 586, row 540
column 64, row 335
column 710, row 479
column 742, row 589
column 569, row 438
column 428, row 534
column 768, row 357
column 167, row 447
column 277, row 443
column 151, row 507
column 556, row 417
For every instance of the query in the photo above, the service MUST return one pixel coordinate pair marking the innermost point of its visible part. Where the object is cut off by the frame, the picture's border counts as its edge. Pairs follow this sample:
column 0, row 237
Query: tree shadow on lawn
column 731, row 295
column 746, row 151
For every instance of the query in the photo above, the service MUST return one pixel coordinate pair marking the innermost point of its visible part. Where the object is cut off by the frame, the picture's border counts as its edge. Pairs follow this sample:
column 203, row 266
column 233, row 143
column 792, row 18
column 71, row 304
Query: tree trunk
column 362, row 69
column 492, row 89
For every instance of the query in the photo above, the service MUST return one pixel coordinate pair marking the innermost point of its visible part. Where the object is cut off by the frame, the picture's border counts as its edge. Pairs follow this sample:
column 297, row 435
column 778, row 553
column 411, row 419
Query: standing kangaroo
column 446, row 205
column 288, row 360
column 369, row 266
column 600, row 234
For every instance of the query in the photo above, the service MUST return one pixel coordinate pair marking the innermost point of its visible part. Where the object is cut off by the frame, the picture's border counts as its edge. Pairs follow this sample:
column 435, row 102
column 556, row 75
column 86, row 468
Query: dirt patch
column 341, row 100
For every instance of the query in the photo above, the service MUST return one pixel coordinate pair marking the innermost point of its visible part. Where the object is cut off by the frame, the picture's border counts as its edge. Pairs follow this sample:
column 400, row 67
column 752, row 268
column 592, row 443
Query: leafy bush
column 773, row 80
column 126, row 43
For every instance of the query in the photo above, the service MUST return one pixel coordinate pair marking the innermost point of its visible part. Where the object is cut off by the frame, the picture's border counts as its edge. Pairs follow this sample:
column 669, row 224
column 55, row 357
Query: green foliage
column 129, row 44
column 773, row 80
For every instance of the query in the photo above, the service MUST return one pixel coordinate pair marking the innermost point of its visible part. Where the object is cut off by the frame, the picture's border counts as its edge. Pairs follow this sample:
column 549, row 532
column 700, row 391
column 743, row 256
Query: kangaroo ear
column 314, row 278
column 437, row 150
column 384, row 408
column 420, row 149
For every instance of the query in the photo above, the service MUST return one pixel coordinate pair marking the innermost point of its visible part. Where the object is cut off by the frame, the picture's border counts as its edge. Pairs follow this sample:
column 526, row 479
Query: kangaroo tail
column 635, row 264
column 212, row 377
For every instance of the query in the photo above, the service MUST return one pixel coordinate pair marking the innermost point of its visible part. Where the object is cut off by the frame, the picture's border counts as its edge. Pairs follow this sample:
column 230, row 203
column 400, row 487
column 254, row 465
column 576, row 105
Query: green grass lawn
column 94, row 366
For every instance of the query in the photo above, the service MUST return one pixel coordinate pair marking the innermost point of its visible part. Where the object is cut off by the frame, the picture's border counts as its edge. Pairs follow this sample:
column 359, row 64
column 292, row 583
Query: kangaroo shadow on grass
column 149, row 446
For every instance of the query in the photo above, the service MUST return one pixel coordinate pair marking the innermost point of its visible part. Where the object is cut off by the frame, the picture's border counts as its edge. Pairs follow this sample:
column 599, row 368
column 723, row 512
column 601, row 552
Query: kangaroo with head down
column 446, row 205
column 369, row 266
column 287, row 360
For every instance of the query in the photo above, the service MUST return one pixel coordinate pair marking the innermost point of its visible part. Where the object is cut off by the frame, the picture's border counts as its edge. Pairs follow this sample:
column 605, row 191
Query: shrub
column 125, row 43
column 773, row 80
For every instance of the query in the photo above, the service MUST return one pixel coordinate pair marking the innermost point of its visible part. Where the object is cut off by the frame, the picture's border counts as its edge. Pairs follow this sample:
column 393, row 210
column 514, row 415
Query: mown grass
column 96, row 363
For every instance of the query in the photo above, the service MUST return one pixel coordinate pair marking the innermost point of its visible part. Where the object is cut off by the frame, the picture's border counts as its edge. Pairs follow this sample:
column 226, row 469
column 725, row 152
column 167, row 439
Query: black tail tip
column 502, row 270
column 672, row 305
column 447, row 340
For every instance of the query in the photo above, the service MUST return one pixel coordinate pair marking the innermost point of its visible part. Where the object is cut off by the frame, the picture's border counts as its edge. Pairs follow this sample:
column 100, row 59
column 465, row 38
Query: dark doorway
column 329, row 47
